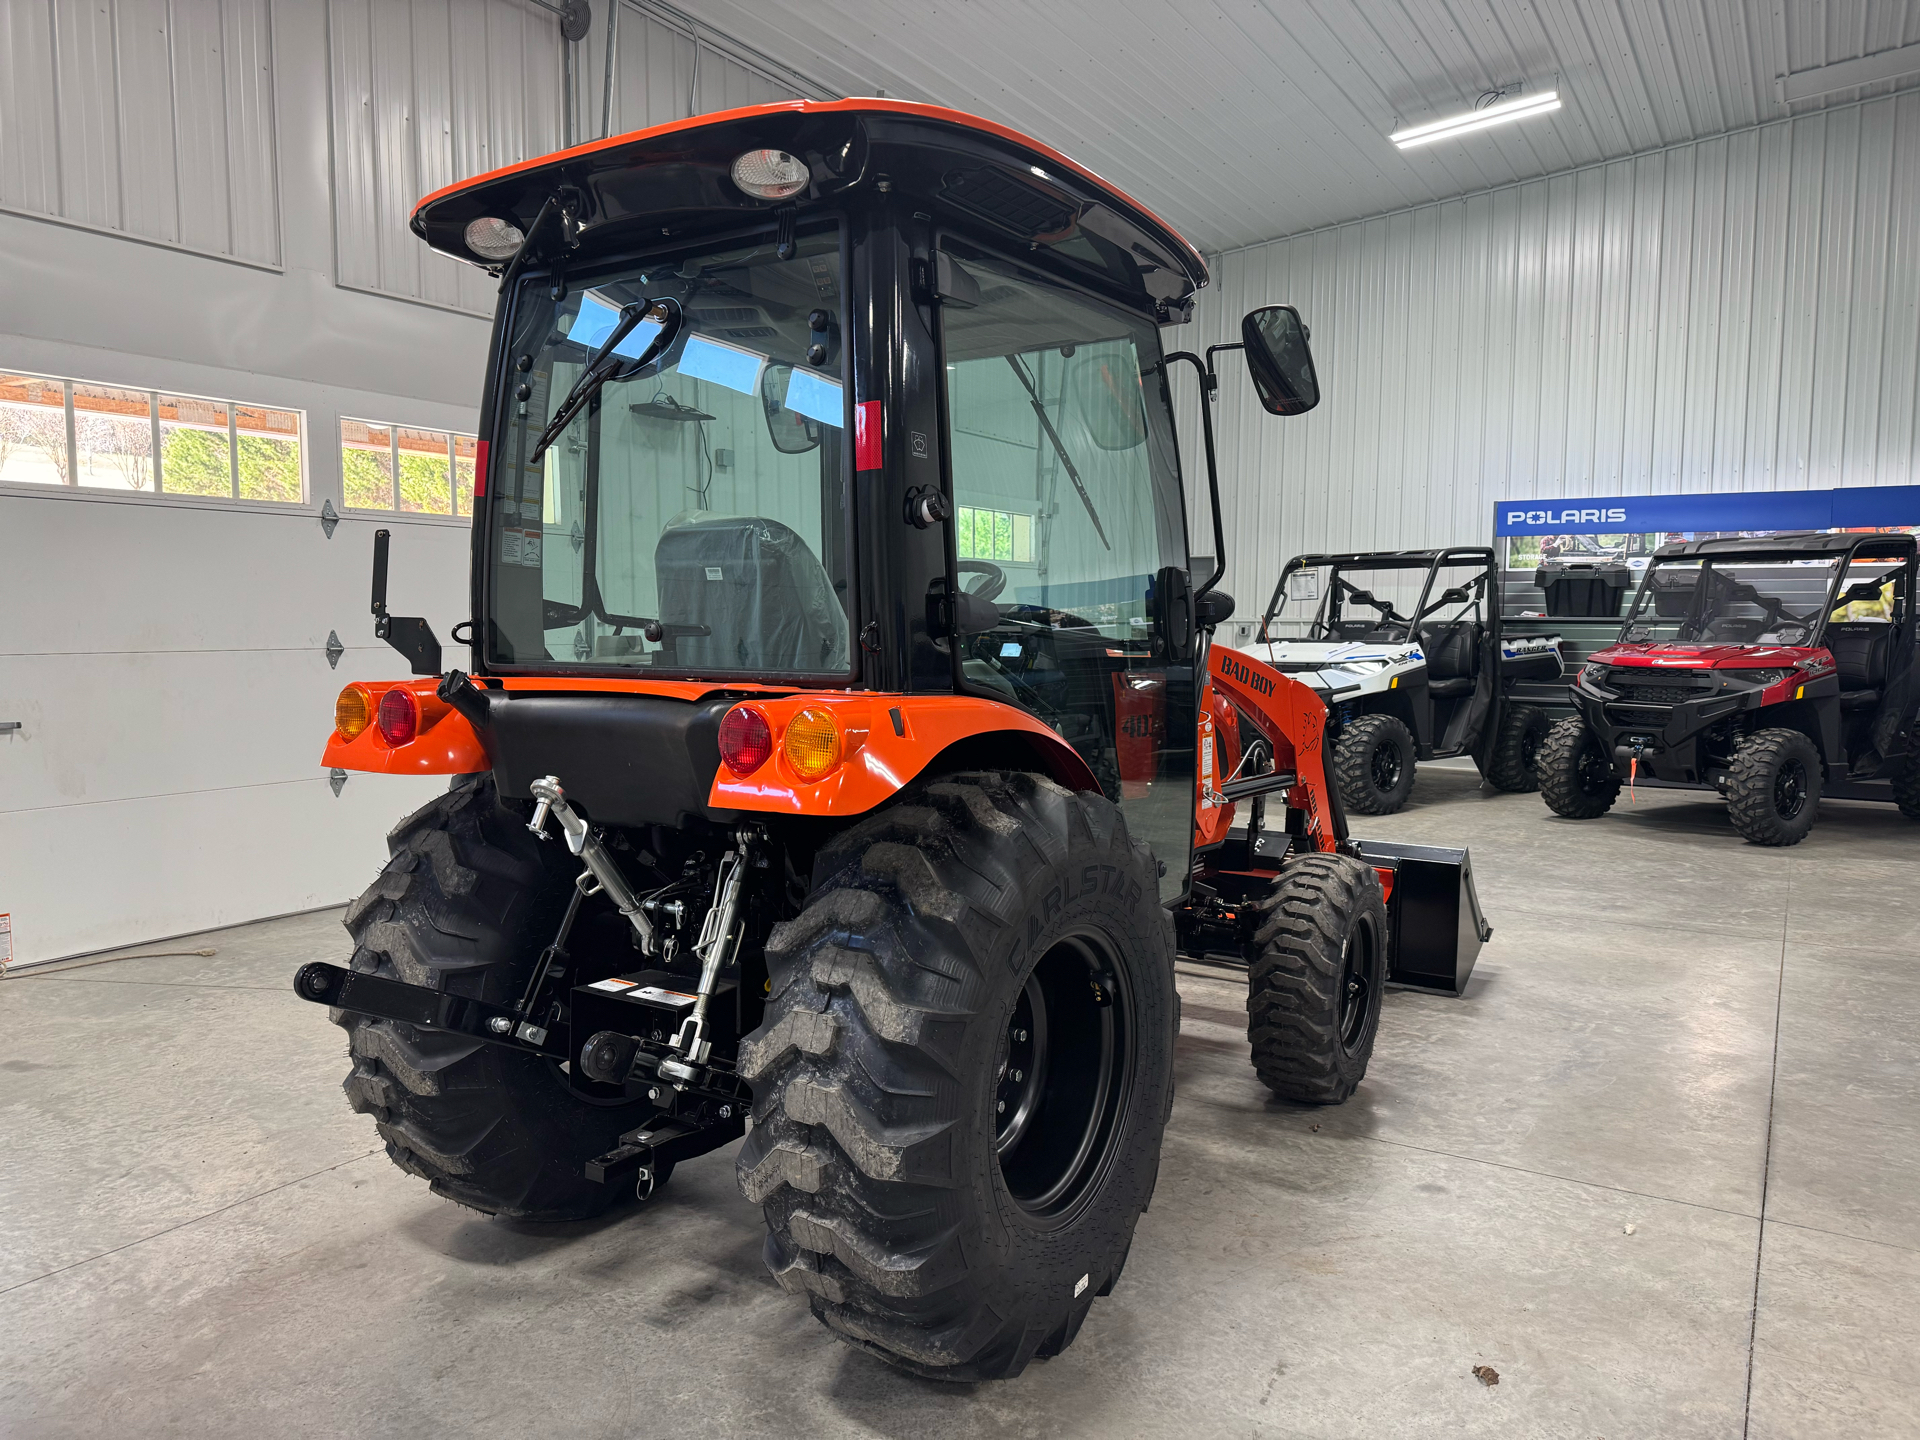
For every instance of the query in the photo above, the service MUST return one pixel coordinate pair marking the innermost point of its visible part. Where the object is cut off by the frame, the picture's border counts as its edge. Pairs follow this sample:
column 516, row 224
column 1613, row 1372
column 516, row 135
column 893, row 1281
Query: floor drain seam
column 182, row 1225
column 1767, row 1155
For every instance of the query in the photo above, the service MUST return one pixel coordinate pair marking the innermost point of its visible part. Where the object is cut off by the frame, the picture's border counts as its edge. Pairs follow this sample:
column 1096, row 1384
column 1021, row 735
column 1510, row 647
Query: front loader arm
column 1293, row 718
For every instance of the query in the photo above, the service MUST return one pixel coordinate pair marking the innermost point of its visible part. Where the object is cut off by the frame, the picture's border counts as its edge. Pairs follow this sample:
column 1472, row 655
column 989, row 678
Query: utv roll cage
column 1389, row 624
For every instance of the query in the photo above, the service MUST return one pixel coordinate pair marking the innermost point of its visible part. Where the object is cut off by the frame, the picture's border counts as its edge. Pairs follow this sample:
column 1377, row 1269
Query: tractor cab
column 844, row 399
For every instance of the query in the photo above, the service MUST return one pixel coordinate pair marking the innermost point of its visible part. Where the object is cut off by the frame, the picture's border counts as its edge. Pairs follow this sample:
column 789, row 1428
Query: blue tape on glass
column 727, row 365
column 816, row 397
column 596, row 322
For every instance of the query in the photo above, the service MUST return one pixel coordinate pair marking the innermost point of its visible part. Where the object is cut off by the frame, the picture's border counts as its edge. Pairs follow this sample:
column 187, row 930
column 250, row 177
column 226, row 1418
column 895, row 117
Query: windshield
column 1381, row 604
column 1732, row 602
column 692, row 517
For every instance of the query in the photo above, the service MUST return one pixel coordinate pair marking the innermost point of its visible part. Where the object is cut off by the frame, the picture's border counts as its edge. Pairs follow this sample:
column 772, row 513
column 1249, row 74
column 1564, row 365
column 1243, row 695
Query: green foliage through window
column 195, row 462
column 996, row 535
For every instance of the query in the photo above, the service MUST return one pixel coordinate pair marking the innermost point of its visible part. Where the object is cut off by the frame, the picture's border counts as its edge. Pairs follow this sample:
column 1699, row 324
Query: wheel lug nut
column 1000, row 1105
column 1017, row 1075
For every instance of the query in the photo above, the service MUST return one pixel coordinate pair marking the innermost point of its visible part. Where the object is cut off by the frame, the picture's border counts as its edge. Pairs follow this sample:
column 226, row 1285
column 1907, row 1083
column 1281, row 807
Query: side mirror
column 1279, row 361
column 1865, row 592
column 792, row 432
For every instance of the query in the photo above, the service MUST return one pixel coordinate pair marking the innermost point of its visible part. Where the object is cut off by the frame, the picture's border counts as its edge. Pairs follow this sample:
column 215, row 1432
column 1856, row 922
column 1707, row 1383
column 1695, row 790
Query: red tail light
column 746, row 740
column 399, row 716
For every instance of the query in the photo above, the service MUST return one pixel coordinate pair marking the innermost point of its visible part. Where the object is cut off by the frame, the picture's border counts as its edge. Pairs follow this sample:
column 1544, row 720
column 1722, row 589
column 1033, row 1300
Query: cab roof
column 675, row 179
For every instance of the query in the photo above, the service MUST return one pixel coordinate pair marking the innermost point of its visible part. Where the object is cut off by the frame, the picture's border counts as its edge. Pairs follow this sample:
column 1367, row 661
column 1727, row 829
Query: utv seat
column 756, row 589
column 1453, row 651
column 1860, row 650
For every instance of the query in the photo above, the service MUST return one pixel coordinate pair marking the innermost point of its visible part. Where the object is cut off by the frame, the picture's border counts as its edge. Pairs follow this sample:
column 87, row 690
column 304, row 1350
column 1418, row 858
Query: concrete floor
column 1658, row 1168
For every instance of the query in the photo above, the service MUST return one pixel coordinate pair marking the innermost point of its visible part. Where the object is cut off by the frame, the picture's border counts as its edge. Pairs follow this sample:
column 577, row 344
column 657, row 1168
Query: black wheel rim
column 1594, row 770
column 1357, row 984
column 1530, row 749
column 1385, row 766
column 1061, row 1085
column 1790, row 789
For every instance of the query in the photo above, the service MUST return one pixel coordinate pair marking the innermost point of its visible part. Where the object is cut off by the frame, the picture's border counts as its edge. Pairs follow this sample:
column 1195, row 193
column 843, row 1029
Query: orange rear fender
column 886, row 741
column 446, row 744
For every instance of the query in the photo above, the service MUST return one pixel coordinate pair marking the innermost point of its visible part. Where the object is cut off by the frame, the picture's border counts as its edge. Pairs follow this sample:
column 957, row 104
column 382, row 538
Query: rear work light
column 746, row 740
column 811, row 743
column 770, row 174
column 399, row 716
column 353, row 711
column 492, row 238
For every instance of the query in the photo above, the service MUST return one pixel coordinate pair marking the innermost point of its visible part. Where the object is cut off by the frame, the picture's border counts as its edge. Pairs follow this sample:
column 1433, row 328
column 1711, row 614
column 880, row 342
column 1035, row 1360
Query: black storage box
column 1578, row 587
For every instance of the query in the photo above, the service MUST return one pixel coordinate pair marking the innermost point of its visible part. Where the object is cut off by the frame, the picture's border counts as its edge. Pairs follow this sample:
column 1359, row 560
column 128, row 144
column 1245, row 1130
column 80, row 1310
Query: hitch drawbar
column 328, row 985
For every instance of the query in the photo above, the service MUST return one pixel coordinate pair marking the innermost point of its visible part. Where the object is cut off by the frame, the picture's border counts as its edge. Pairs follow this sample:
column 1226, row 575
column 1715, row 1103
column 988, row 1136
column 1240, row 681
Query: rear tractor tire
column 1576, row 775
column 964, row 1073
column 465, row 904
column 1316, row 971
column 1374, row 765
column 1774, row 787
column 1517, row 748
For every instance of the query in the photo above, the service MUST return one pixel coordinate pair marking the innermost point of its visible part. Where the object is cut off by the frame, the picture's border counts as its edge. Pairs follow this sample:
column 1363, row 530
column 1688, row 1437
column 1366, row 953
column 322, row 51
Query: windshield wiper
column 1053, row 436
column 666, row 313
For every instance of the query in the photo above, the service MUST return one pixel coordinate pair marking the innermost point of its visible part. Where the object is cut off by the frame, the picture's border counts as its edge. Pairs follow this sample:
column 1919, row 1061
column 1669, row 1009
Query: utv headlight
column 1367, row 665
column 1594, row 675
column 1763, row 677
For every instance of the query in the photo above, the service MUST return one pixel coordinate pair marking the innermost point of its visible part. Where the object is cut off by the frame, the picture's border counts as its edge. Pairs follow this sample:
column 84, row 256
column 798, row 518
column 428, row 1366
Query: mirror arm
column 1213, row 475
column 1213, row 380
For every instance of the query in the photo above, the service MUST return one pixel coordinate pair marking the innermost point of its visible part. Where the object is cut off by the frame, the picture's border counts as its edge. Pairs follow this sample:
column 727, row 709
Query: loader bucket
column 1434, row 921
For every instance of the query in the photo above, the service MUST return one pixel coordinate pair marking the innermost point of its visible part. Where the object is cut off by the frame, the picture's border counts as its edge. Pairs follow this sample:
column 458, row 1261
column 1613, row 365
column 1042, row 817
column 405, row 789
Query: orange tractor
column 842, row 758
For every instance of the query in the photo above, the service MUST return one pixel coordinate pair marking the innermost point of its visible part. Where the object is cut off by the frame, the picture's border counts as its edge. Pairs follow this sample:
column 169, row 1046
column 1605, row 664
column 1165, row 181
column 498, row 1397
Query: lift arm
column 1294, row 720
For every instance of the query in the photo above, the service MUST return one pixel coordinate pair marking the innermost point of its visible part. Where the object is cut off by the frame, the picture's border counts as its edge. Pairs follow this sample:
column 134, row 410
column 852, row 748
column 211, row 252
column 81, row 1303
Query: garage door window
column 407, row 469
column 78, row 433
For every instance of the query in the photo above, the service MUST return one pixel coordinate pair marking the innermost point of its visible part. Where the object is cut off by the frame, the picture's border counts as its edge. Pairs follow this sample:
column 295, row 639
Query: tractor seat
column 1860, row 650
column 765, row 601
column 1452, row 649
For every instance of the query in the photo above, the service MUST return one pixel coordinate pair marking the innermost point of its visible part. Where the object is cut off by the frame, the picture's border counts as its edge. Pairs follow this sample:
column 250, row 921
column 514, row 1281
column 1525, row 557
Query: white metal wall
column 152, row 118
column 427, row 92
column 1736, row 313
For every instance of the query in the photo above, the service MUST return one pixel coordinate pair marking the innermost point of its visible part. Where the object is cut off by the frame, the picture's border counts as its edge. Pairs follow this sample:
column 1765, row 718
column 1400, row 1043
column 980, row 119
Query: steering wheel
column 993, row 585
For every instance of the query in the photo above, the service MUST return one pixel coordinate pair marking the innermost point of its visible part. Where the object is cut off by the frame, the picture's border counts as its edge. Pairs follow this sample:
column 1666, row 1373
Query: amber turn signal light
column 353, row 711
column 811, row 743
column 746, row 740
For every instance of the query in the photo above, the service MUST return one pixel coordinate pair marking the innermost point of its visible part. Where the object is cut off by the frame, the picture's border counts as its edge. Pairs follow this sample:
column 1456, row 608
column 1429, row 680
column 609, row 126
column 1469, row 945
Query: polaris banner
column 1853, row 508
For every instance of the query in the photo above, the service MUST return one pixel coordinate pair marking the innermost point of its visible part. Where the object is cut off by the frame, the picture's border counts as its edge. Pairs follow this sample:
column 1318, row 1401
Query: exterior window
column 994, row 535
column 104, row 437
column 406, row 469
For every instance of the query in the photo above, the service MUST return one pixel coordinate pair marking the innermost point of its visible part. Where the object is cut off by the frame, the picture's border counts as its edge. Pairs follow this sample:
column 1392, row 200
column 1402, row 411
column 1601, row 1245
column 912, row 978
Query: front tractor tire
column 1517, row 749
column 964, row 1073
column 1774, row 787
column 465, row 904
column 1575, row 771
column 1374, row 765
column 1316, row 970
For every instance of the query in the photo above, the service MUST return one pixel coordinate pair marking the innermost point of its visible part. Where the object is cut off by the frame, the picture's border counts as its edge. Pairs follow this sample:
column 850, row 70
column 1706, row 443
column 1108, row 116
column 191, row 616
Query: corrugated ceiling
column 1246, row 120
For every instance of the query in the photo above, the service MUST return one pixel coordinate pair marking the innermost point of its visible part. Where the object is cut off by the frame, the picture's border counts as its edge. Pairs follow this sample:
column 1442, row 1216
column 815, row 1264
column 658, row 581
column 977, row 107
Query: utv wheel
column 1576, row 774
column 1374, row 765
column 1315, row 975
column 1517, row 748
column 465, row 905
column 964, row 1073
column 1774, row 787
column 1903, row 780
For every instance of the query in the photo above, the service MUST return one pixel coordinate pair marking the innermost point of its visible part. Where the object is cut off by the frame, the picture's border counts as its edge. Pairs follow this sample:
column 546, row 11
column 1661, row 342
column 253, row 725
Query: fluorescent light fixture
column 1498, row 114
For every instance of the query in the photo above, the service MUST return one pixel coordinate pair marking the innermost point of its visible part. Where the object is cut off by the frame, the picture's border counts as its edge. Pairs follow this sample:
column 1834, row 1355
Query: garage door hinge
column 335, row 650
column 329, row 517
column 336, row 778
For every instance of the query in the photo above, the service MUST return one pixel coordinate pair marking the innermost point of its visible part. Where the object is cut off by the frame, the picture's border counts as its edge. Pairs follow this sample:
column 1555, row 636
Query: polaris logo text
column 1234, row 670
column 1614, row 515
